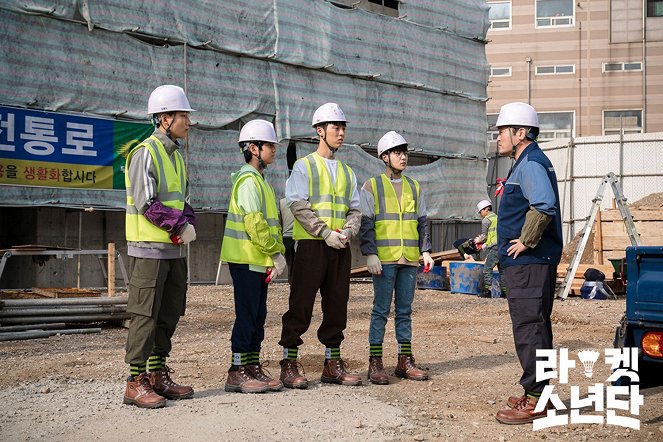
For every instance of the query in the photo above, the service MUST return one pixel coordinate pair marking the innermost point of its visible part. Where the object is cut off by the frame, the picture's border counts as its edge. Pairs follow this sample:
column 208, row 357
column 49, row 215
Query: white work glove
column 373, row 264
column 188, row 234
column 428, row 262
column 279, row 265
column 336, row 240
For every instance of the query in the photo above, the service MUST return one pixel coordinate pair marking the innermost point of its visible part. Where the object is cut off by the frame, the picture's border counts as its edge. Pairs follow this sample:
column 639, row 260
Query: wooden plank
column 55, row 292
column 605, row 268
column 598, row 240
column 111, row 269
column 638, row 215
column 644, row 228
column 613, row 254
column 621, row 243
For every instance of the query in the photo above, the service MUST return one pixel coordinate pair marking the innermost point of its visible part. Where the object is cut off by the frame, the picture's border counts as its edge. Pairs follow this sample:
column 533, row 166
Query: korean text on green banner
column 53, row 149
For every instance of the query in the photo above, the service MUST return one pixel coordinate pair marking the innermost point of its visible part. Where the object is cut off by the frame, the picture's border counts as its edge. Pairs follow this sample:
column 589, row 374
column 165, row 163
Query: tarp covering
column 423, row 75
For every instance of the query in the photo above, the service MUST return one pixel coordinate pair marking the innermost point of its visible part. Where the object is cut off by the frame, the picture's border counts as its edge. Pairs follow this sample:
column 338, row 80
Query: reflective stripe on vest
column 330, row 202
column 237, row 246
column 491, row 236
column 396, row 222
column 171, row 186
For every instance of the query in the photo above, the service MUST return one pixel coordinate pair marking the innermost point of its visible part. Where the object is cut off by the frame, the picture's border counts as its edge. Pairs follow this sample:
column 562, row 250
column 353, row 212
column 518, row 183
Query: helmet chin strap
column 332, row 150
column 394, row 173
column 261, row 164
column 168, row 133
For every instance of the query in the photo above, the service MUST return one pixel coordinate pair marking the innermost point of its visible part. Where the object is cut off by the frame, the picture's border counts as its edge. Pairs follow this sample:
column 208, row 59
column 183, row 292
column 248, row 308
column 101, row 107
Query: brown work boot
column 166, row 387
column 290, row 374
column 241, row 381
column 257, row 371
column 406, row 368
column 139, row 392
column 521, row 413
column 335, row 373
column 376, row 372
column 513, row 400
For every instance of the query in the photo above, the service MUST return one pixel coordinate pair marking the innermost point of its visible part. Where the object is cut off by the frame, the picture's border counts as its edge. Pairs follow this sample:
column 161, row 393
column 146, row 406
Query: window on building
column 654, row 8
column 554, row 13
column 556, row 69
column 619, row 67
column 628, row 121
column 499, row 15
column 504, row 71
column 553, row 125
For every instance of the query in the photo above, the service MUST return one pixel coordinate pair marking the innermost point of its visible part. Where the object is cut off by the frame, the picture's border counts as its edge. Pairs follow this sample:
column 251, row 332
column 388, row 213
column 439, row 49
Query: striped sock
column 405, row 348
column 533, row 394
column 240, row 358
column 333, row 353
column 290, row 353
column 253, row 358
column 136, row 369
column 376, row 350
column 156, row 362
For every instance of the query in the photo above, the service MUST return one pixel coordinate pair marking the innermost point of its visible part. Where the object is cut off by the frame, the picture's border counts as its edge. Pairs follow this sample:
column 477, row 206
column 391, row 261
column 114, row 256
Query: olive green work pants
column 157, row 299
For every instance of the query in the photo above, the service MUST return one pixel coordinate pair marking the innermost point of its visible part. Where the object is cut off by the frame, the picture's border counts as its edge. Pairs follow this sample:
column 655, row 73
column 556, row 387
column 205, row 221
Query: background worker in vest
column 159, row 224
column 488, row 239
column 253, row 248
column 529, row 240
column 322, row 194
column 394, row 230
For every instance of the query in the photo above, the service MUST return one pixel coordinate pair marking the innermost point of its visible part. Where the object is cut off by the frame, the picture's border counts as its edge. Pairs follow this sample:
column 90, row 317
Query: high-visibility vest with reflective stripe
column 396, row 223
column 491, row 236
column 171, row 189
column 330, row 202
column 237, row 247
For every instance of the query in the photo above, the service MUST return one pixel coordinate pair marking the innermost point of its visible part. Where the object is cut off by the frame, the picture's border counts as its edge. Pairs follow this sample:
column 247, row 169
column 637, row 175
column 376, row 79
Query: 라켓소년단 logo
column 602, row 401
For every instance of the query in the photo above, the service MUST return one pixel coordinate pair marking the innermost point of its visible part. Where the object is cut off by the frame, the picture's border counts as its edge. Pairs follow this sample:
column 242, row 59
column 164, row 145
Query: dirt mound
column 653, row 200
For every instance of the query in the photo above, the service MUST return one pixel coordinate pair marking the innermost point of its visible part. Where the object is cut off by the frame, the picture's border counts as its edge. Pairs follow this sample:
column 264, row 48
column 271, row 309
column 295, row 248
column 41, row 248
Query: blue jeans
column 399, row 278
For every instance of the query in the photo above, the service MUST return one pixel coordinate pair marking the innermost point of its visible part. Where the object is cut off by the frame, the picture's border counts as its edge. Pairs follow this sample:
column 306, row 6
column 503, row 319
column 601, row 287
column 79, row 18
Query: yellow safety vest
column 237, row 246
column 491, row 236
column 330, row 202
column 171, row 188
column 396, row 223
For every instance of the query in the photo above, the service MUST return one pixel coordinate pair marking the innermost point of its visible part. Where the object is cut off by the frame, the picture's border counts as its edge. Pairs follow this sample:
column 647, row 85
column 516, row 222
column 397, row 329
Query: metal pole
column 14, row 328
column 14, row 312
column 9, row 303
column 74, row 318
column 36, row 334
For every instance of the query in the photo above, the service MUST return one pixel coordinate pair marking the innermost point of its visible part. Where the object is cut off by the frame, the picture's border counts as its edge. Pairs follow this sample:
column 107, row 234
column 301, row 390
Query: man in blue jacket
column 529, row 240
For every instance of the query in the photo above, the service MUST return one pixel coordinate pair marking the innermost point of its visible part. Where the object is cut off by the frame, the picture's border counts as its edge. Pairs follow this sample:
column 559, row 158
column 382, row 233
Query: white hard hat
column 518, row 115
column 168, row 98
column 483, row 204
column 328, row 113
column 390, row 140
column 258, row 130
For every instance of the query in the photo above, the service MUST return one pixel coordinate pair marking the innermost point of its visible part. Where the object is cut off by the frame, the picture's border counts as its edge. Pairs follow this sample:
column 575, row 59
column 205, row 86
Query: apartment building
column 588, row 67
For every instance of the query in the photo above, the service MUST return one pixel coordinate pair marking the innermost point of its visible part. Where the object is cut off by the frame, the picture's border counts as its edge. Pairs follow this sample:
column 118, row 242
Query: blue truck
column 642, row 324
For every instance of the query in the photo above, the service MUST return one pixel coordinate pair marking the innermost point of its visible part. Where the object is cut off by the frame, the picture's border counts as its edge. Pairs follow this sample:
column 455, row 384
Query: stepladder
column 620, row 201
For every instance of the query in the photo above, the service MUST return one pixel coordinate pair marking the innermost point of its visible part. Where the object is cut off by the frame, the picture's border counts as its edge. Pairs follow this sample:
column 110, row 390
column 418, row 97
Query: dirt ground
column 69, row 388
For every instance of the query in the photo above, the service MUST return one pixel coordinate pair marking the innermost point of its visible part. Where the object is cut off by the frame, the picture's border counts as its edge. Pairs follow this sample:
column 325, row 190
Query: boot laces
column 165, row 373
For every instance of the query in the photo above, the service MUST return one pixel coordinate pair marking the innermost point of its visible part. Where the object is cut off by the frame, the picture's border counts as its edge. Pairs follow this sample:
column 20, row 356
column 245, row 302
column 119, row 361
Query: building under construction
column 76, row 77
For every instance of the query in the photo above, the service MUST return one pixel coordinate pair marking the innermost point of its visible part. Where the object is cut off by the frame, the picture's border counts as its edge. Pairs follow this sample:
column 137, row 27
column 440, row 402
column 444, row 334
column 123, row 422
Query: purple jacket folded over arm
column 171, row 220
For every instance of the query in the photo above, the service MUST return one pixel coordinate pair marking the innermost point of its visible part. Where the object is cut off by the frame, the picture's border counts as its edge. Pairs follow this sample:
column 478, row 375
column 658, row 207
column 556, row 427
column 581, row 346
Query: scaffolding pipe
column 63, row 301
column 72, row 318
column 36, row 334
column 15, row 328
column 13, row 312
